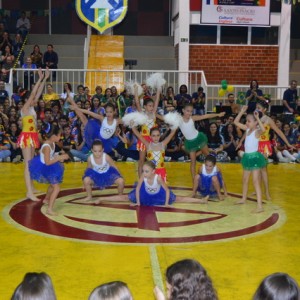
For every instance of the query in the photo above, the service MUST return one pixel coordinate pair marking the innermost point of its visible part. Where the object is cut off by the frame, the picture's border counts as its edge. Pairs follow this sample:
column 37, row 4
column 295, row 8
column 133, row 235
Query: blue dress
column 151, row 195
column 205, row 185
column 39, row 171
column 94, row 130
column 103, row 175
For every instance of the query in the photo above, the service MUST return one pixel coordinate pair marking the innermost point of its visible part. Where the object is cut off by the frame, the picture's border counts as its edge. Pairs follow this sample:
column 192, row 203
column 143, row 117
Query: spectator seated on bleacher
column 23, row 25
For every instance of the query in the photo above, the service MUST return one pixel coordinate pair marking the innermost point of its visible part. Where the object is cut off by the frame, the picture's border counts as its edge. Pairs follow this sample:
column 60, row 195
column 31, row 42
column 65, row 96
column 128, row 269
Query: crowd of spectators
column 12, row 54
column 223, row 136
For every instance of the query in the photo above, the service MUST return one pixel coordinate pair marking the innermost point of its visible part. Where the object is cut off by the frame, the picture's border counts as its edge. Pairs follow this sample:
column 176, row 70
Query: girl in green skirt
column 195, row 142
column 252, row 161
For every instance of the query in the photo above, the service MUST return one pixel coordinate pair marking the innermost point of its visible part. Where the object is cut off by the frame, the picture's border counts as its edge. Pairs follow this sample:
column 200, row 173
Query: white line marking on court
column 157, row 277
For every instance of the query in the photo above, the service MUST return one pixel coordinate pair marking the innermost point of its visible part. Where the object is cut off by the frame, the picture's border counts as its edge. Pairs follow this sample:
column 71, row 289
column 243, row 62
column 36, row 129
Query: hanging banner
column 101, row 14
column 236, row 12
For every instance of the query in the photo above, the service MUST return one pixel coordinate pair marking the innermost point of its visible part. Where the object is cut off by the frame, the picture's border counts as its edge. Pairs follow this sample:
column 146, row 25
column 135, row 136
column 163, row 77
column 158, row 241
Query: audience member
column 115, row 290
column 123, row 101
column 4, row 146
column 7, row 54
column 231, row 140
column 175, row 147
column 107, row 97
column 182, row 98
column 235, row 108
column 63, row 97
column 23, row 25
column 50, row 60
column 198, row 100
column 16, row 96
column 17, row 50
column 169, row 104
column 253, row 95
column 50, row 96
column 80, row 96
column 3, row 93
column 278, row 286
column 5, row 41
column 6, row 67
column 35, row 286
column 28, row 75
column 290, row 102
column 12, row 136
column 37, row 56
column 187, row 280
column 98, row 94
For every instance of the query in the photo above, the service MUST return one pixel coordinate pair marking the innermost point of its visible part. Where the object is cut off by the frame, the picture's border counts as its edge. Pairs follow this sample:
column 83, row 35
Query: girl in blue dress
column 98, row 126
column 209, row 181
column 151, row 190
column 47, row 168
column 101, row 171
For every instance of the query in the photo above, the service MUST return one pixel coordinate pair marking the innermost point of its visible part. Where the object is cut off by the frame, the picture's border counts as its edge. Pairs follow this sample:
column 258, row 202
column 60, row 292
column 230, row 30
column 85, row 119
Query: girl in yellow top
column 156, row 149
column 264, row 145
column 150, row 108
column 28, row 140
column 50, row 96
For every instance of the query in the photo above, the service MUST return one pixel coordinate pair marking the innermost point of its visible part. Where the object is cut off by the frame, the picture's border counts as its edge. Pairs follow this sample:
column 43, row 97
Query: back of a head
column 189, row 281
column 278, row 286
column 115, row 290
column 35, row 286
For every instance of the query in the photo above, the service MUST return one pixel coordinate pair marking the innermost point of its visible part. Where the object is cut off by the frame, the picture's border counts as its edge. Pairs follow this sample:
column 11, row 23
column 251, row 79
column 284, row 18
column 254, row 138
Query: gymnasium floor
column 87, row 245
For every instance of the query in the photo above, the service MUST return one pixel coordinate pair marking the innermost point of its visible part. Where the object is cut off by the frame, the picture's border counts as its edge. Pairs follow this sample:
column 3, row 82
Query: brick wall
column 236, row 64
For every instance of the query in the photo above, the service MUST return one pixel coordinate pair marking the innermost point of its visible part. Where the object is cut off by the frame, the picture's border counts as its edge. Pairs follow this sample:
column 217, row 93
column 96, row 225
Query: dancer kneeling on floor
column 151, row 190
column 101, row 172
column 209, row 181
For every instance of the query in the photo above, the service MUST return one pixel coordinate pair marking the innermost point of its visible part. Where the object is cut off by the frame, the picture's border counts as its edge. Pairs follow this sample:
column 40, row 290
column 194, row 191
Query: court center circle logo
column 116, row 222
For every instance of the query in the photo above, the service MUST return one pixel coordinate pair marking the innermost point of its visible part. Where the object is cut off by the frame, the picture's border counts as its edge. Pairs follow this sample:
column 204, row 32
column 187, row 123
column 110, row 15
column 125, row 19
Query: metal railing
column 108, row 78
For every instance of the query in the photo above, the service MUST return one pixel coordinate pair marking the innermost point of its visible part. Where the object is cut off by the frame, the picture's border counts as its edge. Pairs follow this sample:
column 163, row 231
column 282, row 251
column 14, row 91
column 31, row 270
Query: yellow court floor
column 87, row 244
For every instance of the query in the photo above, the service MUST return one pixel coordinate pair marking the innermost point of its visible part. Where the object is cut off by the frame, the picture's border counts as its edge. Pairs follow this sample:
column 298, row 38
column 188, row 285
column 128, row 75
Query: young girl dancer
column 150, row 108
column 28, row 140
column 151, row 190
column 264, row 145
column 209, row 181
column 194, row 140
column 93, row 129
column 156, row 149
column 46, row 168
column 252, row 160
column 101, row 171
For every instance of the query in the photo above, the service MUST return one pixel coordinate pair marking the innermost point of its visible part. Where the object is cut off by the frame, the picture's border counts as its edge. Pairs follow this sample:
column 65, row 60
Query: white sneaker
column 76, row 159
column 7, row 159
column 129, row 159
column 17, row 159
column 168, row 158
column 181, row 158
column 284, row 160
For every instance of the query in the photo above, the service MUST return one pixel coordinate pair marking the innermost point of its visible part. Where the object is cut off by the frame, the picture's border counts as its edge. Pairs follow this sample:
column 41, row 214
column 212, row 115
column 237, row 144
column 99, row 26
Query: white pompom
column 174, row 119
column 156, row 80
column 130, row 86
column 138, row 118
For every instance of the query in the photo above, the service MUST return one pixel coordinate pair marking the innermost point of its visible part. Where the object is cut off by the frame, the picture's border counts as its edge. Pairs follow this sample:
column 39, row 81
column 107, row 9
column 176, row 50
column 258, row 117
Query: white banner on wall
column 236, row 12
